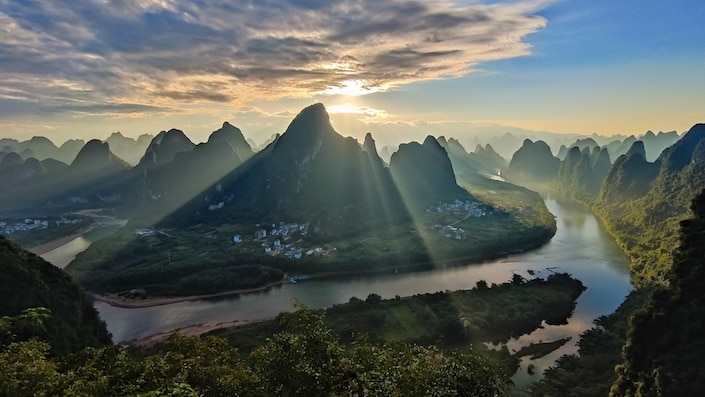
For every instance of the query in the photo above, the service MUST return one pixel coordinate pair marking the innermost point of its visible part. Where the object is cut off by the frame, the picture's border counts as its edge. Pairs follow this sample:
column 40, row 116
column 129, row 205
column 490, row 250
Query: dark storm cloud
column 57, row 52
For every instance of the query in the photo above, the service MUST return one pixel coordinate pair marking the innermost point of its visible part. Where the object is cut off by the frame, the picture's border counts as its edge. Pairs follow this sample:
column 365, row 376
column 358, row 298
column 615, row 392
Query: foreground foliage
column 69, row 321
column 306, row 359
column 665, row 353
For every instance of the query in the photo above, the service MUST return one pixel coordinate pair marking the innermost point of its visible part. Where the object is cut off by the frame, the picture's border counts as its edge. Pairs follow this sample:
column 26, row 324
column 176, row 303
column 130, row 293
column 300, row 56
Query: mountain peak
column 165, row 146
column 230, row 135
column 306, row 131
column 175, row 135
column 680, row 153
column 94, row 154
column 432, row 142
column 637, row 148
column 312, row 119
column 369, row 144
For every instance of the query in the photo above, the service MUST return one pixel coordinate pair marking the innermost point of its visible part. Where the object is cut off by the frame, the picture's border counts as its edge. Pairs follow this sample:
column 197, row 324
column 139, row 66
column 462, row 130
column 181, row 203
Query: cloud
column 365, row 111
column 161, row 53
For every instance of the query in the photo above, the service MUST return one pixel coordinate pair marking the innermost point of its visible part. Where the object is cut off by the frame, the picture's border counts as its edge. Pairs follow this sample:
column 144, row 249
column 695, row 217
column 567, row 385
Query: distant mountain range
column 41, row 148
column 643, row 202
column 168, row 171
column 640, row 201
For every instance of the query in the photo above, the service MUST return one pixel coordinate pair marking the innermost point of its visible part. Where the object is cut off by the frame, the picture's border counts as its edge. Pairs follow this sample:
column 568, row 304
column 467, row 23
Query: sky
column 398, row 69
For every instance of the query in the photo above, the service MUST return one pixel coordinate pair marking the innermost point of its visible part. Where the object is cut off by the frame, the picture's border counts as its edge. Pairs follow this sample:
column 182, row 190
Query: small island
column 465, row 319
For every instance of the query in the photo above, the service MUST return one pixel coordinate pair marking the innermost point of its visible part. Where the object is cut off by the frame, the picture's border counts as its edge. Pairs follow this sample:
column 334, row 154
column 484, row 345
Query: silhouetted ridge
column 94, row 154
column 304, row 134
column 534, row 161
column 424, row 173
column 680, row 154
column 232, row 136
column 370, row 147
column 637, row 148
column 630, row 176
column 164, row 147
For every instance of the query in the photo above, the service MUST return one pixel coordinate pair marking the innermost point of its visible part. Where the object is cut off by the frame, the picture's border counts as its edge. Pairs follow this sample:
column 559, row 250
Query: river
column 63, row 255
column 580, row 247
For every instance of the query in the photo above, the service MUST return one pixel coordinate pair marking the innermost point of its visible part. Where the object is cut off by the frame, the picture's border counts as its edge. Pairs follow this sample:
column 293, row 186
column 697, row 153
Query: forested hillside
column 642, row 203
column 70, row 324
column 665, row 352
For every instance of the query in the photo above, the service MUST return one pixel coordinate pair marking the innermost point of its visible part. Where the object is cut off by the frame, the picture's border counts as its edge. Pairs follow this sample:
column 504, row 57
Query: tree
column 373, row 299
column 517, row 279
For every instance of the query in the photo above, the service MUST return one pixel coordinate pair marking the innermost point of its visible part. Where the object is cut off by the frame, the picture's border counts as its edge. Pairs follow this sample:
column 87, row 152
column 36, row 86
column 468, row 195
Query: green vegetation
column 664, row 354
column 203, row 258
column 642, row 203
column 460, row 319
column 525, row 206
column 306, row 359
column 28, row 281
column 370, row 348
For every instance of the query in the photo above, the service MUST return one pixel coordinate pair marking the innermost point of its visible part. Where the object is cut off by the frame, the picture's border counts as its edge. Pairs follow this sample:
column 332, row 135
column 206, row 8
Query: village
column 275, row 241
column 29, row 224
column 469, row 209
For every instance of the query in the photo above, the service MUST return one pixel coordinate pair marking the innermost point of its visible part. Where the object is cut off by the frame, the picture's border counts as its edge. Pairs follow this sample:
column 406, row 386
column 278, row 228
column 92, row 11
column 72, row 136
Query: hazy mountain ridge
column 42, row 148
column 470, row 166
column 96, row 174
column 533, row 161
column 129, row 149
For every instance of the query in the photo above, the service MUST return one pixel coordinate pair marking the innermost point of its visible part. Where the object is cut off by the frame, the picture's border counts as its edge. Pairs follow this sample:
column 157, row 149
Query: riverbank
column 193, row 330
column 99, row 218
column 59, row 242
column 124, row 302
column 132, row 303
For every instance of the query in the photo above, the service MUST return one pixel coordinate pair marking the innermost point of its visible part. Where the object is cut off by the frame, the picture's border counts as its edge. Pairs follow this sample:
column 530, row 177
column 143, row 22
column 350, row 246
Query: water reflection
column 63, row 255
